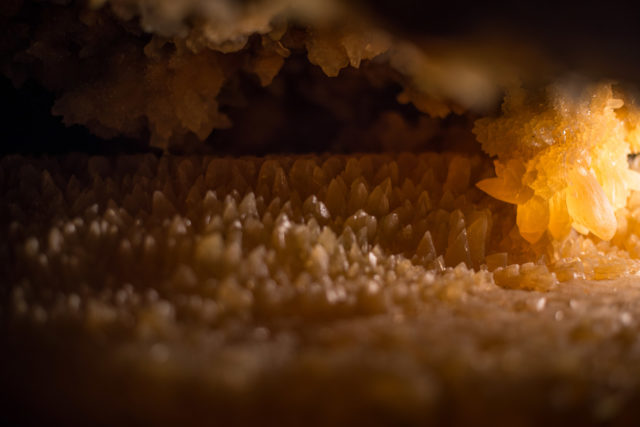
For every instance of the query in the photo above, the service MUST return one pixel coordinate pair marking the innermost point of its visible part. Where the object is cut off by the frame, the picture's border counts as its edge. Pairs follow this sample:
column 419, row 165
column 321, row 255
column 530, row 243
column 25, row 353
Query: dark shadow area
column 304, row 111
column 28, row 127
column 301, row 111
column 598, row 39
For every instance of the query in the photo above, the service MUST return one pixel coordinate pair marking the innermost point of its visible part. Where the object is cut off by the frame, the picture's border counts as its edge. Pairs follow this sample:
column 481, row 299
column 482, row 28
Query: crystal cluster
column 562, row 159
column 340, row 283
column 369, row 289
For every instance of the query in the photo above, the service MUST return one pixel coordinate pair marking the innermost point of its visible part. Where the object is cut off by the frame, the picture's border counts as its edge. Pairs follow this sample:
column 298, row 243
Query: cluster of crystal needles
column 562, row 158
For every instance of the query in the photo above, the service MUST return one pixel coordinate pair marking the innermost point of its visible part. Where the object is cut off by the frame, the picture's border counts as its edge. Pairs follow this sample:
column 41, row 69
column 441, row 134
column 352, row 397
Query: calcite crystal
column 371, row 288
column 562, row 158
column 411, row 288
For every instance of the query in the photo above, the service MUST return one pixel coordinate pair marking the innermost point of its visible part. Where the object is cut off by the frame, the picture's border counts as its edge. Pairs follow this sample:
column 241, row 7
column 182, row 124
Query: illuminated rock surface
column 182, row 289
column 329, row 290
column 562, row 158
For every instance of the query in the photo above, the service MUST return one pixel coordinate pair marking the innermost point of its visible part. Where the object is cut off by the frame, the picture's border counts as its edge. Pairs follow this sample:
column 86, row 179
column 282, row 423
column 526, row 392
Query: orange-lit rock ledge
column 343, row 289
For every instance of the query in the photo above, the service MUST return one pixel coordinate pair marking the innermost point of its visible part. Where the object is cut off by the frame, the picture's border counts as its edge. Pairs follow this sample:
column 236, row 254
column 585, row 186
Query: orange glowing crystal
column 562, row 158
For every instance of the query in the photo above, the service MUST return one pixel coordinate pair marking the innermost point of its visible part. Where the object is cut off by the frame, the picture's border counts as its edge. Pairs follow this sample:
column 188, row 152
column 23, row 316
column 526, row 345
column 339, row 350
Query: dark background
column 597, row 39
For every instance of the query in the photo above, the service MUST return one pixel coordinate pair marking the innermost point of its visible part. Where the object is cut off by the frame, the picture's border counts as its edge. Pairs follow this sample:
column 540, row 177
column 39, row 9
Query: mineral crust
column 181, row 289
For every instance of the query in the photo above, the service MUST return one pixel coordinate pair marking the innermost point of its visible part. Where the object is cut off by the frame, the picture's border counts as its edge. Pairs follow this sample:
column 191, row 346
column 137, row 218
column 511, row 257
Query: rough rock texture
column 378, row 288
column 323, row 289
column 168, row 71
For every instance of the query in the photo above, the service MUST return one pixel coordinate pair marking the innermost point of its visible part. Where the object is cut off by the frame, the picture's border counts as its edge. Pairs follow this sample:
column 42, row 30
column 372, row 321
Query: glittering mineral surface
column 472, row 269
column 370, row 288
